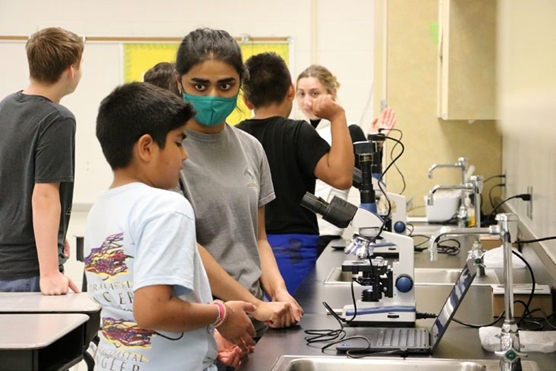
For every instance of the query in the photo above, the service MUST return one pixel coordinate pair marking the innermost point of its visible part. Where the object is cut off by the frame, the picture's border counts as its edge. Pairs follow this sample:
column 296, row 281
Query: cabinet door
column 467, row 59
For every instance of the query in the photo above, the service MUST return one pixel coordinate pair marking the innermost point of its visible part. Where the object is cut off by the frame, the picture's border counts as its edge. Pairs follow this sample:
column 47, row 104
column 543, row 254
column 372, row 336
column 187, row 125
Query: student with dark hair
column 228, row 182
column 37, row 167
column 297, row 156
column 162, row 75
column 142, row 262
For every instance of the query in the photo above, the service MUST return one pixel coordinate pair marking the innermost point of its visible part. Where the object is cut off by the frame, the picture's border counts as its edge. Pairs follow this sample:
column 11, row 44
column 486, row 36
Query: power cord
column 523, row 196
column 502, row 184
column 490, row 198
column 526, row 305
column 425, row 315
column 536, row 240
column 392, row 157
column 389, row 203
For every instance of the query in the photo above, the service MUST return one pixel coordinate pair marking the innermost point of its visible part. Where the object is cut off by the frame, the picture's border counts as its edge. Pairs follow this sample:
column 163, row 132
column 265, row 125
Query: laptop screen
column 452, row 303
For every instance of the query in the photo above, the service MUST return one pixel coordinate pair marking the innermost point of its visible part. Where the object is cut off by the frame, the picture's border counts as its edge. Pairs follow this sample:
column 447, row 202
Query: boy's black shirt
column 293, row 149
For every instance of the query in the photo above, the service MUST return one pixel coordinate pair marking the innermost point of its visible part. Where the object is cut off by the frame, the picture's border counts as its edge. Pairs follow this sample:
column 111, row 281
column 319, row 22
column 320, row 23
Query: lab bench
column 459, row 342
column 41, row 341
column 40, row 332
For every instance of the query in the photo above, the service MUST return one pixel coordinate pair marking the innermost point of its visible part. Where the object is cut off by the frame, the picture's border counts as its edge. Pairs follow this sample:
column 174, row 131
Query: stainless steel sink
column 423, row 276
column 334, row 363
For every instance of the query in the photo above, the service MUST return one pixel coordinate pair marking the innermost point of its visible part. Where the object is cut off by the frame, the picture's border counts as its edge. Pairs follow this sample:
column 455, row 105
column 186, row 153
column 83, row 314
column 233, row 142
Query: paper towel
column 531, row 341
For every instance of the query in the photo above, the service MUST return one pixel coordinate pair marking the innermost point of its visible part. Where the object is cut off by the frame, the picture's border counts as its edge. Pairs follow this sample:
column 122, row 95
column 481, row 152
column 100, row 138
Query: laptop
column 416, row 340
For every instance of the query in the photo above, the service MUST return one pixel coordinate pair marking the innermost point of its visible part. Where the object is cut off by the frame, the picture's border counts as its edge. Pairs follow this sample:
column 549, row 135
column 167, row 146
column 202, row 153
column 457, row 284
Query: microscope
column 389, row 295
column 371, row 151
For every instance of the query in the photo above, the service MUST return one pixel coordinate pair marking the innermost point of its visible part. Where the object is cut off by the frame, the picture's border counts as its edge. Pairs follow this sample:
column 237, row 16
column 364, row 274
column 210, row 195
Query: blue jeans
column 31, row 284
column 295, row 255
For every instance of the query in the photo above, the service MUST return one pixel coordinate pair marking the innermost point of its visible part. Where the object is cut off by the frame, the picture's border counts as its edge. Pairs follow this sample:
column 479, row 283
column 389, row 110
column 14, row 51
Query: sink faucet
column 462, row 212
column 461, row 163
column 474, row 186
column 506, row 230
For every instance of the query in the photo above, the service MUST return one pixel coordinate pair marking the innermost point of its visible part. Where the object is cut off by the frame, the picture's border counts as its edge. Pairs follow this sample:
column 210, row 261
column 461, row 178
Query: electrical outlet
column 503, row 189
column 530, row 203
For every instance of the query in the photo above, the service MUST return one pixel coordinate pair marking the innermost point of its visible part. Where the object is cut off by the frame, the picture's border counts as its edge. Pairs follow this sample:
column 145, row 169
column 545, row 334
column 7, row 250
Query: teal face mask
column 211, row 110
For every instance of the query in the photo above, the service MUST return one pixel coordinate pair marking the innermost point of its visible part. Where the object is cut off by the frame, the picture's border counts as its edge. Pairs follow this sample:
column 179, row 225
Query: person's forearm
column 222, row 285
column 341, row 149
column 167, row 313
column 271, row 278
column 46, row 219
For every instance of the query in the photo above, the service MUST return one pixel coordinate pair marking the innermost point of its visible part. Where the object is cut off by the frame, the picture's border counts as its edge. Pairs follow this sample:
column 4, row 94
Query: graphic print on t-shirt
column 111, row 263
column 109, row 258
column 120, row 332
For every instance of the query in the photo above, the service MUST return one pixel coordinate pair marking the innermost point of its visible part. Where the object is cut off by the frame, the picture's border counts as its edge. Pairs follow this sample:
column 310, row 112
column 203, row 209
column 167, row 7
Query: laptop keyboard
column 401, row 338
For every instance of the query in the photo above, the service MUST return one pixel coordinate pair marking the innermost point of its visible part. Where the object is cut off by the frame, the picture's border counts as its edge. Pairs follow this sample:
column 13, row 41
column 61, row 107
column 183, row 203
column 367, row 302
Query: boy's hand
column 230, row 354
column 237, row 327
column 57, row 284
column 325, row 107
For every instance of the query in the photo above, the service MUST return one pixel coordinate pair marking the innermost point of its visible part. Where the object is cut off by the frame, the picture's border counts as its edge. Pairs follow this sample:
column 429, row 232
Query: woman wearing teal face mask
column 227, row 180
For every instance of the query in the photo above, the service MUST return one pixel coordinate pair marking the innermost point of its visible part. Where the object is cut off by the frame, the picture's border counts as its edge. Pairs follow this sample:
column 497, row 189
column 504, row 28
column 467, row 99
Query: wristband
column 222, row 313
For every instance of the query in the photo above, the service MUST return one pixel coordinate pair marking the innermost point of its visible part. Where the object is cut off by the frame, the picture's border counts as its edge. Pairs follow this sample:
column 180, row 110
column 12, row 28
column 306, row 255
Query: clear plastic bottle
column 470, row 212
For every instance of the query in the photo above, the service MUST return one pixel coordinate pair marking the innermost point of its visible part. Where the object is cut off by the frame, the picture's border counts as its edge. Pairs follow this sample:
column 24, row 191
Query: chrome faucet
column 461, row 163
column 506, row 230
column 474, row 186
column 462, row 212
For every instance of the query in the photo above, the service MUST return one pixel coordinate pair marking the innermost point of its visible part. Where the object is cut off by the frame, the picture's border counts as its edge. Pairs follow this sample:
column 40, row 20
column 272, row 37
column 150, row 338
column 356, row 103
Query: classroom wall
column 406, row 76
column 527, row 106
column 323, row 31
column 319, row 31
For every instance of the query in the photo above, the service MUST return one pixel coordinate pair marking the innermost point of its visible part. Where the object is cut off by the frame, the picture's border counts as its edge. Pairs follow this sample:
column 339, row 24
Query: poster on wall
column 139, row 57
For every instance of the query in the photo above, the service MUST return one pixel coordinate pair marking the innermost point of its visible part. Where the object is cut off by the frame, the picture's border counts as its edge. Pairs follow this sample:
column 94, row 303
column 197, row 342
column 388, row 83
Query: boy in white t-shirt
column 142, row 262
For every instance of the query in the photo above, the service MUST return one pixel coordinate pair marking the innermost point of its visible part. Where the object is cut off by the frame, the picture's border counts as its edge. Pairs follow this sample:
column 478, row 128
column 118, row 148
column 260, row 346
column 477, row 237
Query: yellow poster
column 139, row 57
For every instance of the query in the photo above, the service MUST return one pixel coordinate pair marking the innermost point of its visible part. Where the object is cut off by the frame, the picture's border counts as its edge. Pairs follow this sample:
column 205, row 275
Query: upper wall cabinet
column 467, row 59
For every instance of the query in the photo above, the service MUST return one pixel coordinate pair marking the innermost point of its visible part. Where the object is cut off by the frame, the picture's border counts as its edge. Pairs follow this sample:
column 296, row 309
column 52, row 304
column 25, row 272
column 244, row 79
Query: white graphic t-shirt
column 140, row 236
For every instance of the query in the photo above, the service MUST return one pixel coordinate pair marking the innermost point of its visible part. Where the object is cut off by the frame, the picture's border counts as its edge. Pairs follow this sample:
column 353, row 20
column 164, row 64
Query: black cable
column 425, row 315
column 523, row 196
column 533, row 282
column 498, row 185
column 392, row 156
column 418, row 246
column 447, row 249
column 527, row 321
column 494, row 176
column 169, row 338
column 389, row 212
column 490, row 192
column 537, row 240
column 479, row 326
column 526, row 305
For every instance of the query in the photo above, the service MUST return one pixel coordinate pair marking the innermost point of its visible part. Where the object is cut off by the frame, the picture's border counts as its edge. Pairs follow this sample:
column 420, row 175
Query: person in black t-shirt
column 37, row 167
column 297, row 156
column 312, row 82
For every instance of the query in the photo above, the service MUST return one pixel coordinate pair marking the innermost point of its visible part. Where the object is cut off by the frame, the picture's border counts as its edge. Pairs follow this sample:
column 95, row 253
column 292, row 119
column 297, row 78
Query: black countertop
column 459, row 342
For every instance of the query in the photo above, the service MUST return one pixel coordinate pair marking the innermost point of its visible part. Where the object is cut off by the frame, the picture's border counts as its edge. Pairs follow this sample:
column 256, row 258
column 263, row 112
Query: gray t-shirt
column 227, row 179
column 37, row 145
